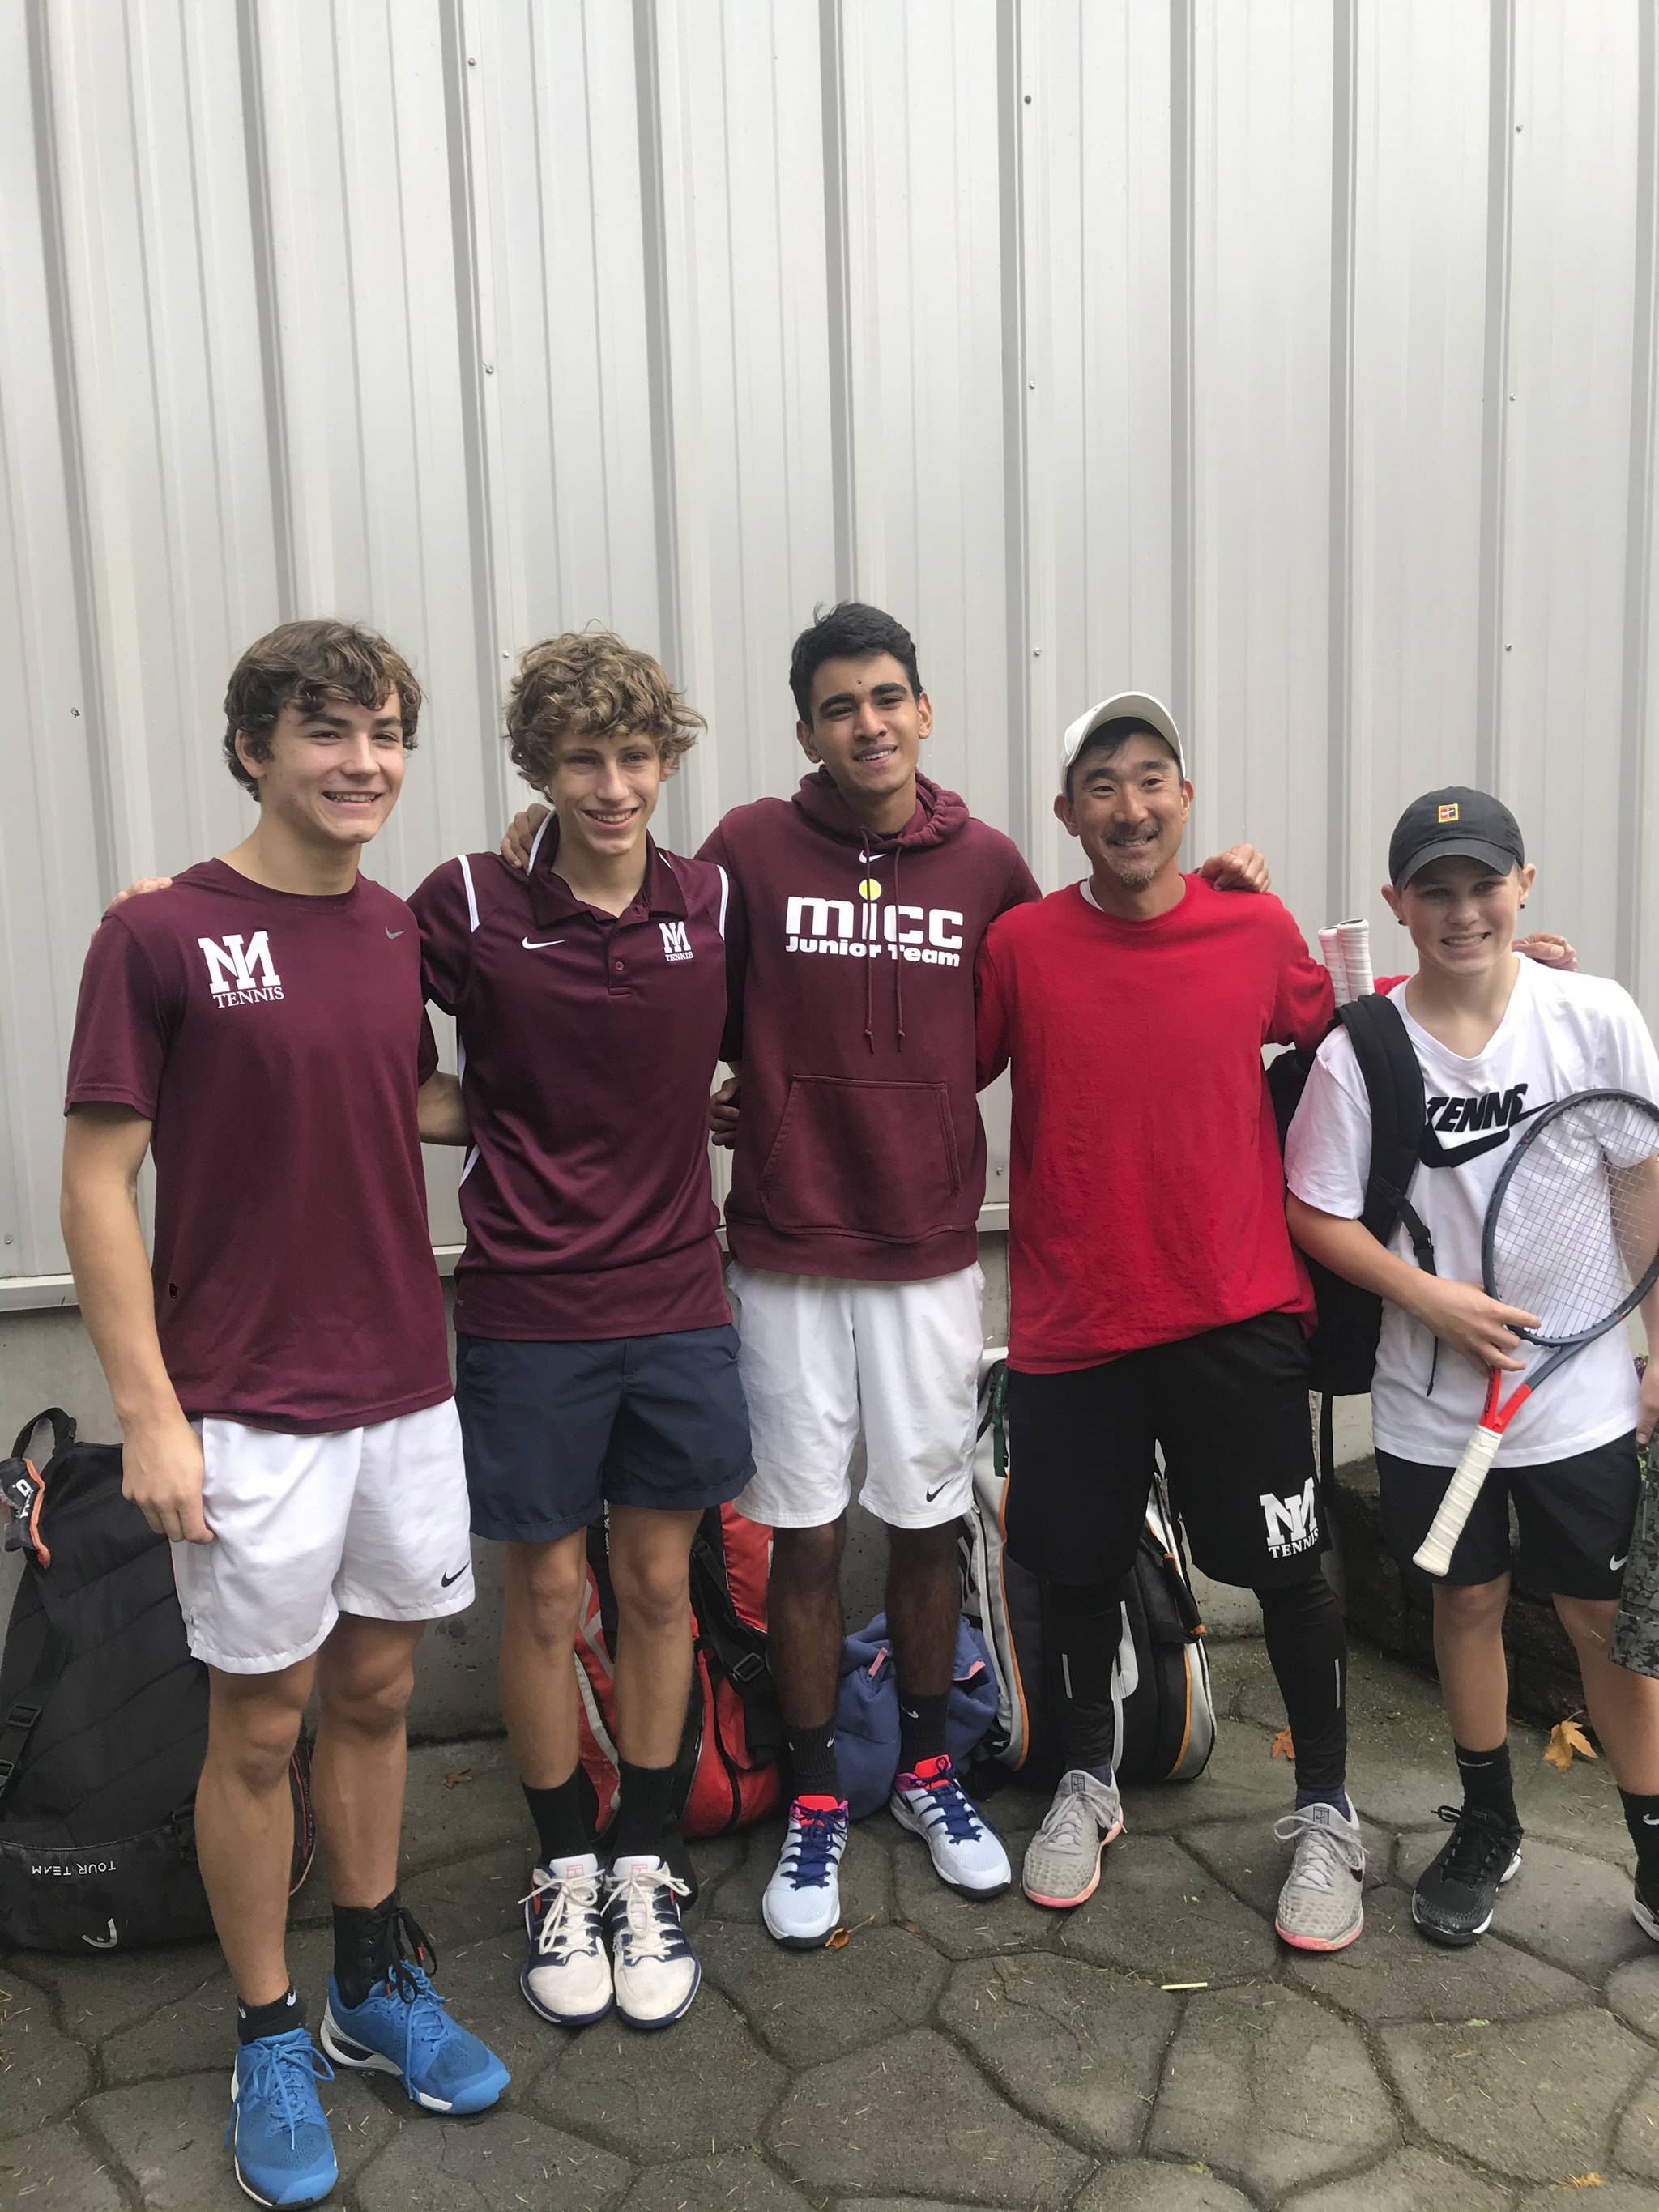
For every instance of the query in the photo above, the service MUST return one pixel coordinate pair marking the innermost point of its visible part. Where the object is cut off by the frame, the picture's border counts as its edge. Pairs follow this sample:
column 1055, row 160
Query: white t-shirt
column 1560, row 1034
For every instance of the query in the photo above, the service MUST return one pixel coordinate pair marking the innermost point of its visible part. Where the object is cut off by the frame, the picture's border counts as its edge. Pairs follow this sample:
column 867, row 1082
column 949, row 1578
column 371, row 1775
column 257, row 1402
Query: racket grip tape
column 1330, row 946
column 1355, row 938
column 1434, row 1554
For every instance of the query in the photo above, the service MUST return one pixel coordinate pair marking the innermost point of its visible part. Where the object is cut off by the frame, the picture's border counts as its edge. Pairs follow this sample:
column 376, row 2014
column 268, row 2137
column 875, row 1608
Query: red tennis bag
column 726, row 1774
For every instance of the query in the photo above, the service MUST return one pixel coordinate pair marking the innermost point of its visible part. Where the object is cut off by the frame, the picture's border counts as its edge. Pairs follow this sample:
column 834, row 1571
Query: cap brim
column 1123, row 706
column 1462, row 848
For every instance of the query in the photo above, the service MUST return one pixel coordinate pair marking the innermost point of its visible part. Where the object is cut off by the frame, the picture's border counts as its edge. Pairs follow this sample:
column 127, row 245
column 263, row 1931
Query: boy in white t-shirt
column 1497, row 1038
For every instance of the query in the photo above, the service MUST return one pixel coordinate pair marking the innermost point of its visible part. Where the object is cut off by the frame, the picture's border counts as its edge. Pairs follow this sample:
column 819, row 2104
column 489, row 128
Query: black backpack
column 1343, row 1346
column 103, row 1718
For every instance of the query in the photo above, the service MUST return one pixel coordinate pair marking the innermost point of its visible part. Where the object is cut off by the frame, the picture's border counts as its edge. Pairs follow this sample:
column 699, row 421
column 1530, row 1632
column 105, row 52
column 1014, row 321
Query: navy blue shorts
column 556, row 1432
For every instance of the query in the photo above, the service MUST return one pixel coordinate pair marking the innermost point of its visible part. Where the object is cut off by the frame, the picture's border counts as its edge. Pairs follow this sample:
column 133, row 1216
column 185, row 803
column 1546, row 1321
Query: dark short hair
column 303, row 664
column 1109, row 736
column 850, row 631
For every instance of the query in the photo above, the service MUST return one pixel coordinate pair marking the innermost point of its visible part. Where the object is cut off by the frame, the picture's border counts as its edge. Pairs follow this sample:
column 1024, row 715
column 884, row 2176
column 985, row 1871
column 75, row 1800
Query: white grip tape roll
column 1330, row 946
column 1434, row 1554
column 1355, row 937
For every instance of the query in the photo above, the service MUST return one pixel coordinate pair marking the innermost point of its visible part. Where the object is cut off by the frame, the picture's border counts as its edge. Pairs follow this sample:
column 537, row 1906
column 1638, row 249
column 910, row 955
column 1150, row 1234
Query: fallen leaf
column 1566, row 1737
column 840, row 1940
column 457, row 1776
column 1283, row 1747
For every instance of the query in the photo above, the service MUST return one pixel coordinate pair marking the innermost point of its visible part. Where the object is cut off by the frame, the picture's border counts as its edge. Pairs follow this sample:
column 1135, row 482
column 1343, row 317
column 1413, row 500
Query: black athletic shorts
column 1231, row 1409
column 554, row 1433
column 1575, row 1517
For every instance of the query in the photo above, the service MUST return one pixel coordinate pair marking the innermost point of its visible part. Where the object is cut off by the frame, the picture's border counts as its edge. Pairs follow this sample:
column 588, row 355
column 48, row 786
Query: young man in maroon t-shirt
column 281, row 1374
column 597, row 1363
column 1156, row 1295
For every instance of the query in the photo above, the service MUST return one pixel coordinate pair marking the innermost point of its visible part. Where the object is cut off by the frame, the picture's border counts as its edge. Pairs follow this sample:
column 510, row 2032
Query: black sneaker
column 1456, row 1894
column 1644, row 1906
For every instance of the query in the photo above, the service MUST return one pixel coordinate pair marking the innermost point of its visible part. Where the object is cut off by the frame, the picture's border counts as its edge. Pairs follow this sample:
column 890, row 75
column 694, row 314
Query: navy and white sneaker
column 402, row 2028
column 802, row 1905
column 967, row 1853
column 654, row 1970
column 567, row 1975
column 278, row 2134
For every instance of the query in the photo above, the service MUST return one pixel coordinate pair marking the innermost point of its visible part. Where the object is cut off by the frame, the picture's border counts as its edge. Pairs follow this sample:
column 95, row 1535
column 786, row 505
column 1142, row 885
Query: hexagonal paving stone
column 172, row 2142
column 497, row 2162
column 44, row 2071
column 1534, row 2098
column 1264, row 2084
column 458, row 1904
column 702, row 2085
column 713, row 1859
column 1637, row 2144
column 197, row 2032
column 1409, row 2181
column 965, row 1927
column 1078, row 2045
column 1394, row 1972
column 734, row 2181
column 1565, row 1906
column 1161, row 1915
column 1245, row 1857
column 1243, row 1777
column 866, row 1876
column 97, row 1997
column 806, row 2006
column 1612, row 2196
column 461, row 1819
column 53, row 2171
column 1632, row 1992
column 869, row 2124
column 1141, row 2185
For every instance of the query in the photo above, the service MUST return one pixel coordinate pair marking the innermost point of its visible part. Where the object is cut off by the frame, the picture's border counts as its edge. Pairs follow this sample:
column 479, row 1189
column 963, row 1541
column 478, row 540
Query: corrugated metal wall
column 1295, row 358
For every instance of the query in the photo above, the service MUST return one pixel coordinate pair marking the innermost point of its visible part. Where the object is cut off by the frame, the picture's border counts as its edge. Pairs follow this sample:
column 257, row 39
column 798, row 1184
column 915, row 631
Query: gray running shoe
column 1320, row 1907
column 1063, row 1860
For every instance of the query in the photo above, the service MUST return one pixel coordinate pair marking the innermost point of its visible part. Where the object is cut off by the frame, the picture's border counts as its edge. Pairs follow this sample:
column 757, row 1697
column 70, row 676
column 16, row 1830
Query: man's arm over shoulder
column 993, row 1008
column 1304, row 1001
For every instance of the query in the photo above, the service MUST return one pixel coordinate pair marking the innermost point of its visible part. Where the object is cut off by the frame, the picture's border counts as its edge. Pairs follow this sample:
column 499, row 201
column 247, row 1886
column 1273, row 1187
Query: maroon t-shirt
column 589, row 1045
column 277, row 1043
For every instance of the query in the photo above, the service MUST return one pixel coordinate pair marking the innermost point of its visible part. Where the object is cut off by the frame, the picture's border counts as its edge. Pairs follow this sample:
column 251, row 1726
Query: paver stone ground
column 704, row 2084
column 54, row 2168
column 44, row 2072
column 1141, row 2185
column 1394, row 1972
column 494, row 2163
column 1407, row 2181
column 1158, row 1912
column 730, row 2181
column 806, row 2006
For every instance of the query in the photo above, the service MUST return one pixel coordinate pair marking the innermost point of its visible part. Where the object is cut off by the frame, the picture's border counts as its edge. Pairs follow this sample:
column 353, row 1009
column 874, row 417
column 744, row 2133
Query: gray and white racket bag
column 1165, row 1719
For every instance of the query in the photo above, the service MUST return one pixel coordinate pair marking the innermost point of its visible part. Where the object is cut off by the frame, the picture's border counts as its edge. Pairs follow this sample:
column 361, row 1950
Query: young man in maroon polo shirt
column 597, row 1362
column 1156, row 1296
column 282, row 1380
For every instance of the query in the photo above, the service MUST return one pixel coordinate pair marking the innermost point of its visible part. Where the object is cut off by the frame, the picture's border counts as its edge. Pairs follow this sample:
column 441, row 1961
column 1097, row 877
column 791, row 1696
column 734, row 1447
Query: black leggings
column 1307, row 1648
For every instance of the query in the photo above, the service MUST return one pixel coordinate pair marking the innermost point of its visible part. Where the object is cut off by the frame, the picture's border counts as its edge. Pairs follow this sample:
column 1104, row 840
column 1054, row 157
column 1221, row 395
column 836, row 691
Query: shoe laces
column 412, row 1952
column 1320, row 1852
column 565, row 1914
column 282, row 2074
column 818, row 1832
column 955, row 1810
column 1482, row 1844
column 651, row 1931
column 425, row 2025
column 1066, row 1819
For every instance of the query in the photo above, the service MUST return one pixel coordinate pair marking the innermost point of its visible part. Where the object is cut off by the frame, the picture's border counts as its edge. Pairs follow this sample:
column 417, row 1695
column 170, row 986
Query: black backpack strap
column 739, row 1647
column 62, row 1432
column 27, row 1707
column 1393, row 1086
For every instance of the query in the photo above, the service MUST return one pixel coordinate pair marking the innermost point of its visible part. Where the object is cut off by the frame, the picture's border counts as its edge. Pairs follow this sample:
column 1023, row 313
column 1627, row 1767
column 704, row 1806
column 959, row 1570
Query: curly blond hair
column 586, row 683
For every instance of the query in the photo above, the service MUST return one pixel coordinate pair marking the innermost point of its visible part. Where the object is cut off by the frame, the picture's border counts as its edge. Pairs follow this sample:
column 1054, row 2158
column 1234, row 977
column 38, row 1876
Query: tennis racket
column 1571, row 1234
column 1347, row 952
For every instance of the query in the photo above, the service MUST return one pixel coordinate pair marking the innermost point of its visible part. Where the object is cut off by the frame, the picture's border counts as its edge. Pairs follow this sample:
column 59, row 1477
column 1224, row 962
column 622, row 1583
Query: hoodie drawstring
column 898, row 957
column 871, row 908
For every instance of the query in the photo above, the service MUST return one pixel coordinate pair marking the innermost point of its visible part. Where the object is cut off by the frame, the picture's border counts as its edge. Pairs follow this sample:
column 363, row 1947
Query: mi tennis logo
column 675, row 941
column 1292, row 1524
column 240, row 971
column 929, row 935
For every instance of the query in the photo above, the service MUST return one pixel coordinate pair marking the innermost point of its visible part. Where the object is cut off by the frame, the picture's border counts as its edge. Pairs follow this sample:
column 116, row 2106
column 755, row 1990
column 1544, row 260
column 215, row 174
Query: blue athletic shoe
column 277, row 2133
column 401, row 2027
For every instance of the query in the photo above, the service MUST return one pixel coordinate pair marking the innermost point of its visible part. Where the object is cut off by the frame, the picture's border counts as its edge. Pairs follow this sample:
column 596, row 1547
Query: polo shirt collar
column 552, row 900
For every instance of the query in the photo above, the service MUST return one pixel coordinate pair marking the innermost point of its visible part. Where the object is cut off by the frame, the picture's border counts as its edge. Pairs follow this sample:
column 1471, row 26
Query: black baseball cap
column 1473, row 825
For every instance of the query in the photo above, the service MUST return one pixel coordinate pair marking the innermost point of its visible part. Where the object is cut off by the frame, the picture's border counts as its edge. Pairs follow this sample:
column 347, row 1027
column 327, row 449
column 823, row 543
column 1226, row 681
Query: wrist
column 148, row 1416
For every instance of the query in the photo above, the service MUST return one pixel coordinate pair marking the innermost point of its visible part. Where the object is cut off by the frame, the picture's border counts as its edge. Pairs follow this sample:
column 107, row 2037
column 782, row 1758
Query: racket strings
column 1578, row 1222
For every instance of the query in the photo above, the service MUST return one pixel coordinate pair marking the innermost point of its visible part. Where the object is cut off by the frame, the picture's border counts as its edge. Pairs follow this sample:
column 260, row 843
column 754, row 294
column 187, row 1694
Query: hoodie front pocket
column 870, row 1159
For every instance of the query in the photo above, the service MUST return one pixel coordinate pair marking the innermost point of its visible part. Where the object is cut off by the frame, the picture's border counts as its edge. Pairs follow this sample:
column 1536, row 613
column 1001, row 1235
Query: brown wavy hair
column 302, row 664
column 586, row 683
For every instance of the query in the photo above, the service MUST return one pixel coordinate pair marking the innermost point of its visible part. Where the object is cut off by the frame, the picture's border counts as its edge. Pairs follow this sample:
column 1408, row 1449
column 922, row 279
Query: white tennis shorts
column 366, row 1521
column 815, row 1353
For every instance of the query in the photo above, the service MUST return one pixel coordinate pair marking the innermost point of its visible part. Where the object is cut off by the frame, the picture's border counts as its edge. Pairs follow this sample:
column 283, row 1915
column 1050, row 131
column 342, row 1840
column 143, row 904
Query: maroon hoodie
column 850, row 984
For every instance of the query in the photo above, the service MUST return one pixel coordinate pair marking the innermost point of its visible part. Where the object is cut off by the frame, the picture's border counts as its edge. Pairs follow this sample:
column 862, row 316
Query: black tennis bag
column 103, row 1718
column 1164, row 1715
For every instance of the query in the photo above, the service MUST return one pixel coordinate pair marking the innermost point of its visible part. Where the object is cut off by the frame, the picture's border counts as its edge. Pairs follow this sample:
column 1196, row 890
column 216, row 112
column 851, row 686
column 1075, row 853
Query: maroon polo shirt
column 589, row 1045
column 276, row 1044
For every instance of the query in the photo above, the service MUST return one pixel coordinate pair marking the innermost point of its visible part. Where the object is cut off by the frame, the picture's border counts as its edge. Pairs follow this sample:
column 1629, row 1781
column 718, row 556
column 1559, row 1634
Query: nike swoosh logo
column 394, row 933
column 1651, row 1820
column 444, row 1580
column 932, row 1494
column 539, row 944
column 1434, row 1154
column 1615, row 1564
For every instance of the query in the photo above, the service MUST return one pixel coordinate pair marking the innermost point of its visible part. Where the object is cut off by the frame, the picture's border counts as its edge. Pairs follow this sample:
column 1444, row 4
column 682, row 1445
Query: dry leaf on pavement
column 1566, row 1737
column 1283, row 1747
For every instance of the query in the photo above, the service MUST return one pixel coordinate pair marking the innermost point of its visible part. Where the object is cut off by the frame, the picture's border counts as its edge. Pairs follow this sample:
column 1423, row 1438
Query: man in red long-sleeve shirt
column 1156, row 1299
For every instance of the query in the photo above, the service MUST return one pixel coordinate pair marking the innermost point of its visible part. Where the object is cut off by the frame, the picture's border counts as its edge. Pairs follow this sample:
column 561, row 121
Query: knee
column 652, row 1594
column 544, row 1589
column 808, row 1558
column 1471, row 1609
column 1295, row 1602
column 919, row 1550
column 1589, row 1623
column 371, row 1699
column 255, row 1736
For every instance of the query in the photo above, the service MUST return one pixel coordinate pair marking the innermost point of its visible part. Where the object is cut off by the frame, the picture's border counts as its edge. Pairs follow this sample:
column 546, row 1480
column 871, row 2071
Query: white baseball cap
column 1123, row 706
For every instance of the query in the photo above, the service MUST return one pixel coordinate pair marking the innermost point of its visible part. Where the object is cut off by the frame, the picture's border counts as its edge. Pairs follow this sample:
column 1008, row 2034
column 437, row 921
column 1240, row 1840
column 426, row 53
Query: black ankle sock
column 643, row 1811
column 561, row 1817
column 281, row 2017
column 812, row 1758
column 364, row 1946
column 921, row 1728
column 1642, row 1819
column 1488, row 1783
